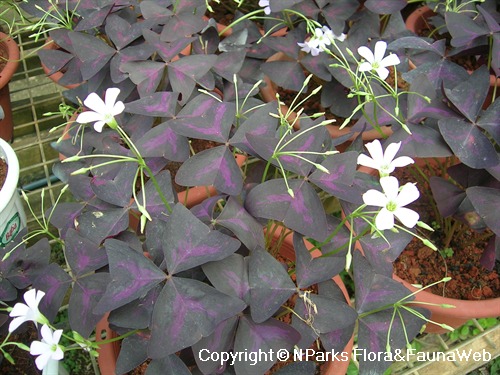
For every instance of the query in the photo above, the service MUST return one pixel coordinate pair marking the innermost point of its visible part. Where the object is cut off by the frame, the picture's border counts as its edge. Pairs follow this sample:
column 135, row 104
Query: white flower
column 310, row 46
column 322, row 37
column 48, row 349
column 384, row 162
column 265, row 4
column 102, row 112
column 376, row 61
column 392, row 201
column 29, row 311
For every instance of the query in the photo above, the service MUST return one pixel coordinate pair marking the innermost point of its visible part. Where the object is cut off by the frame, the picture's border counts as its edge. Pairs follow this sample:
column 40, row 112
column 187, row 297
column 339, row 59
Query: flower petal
column 379, row 50
column 98, row 126
column 390, row 60
column 95, row 103
column 16, row 322
column 374, row 198
column 88, row 117
column 367, row 54
column 383, row 73
column 406, row 216
column 42, row 360
column 118, row 108
column 402, row 161
column 376, row 152
column 38, row 347
column 390, row 185
column 365, row 67
column 384, row 219
column 367, row 161
column 110, row 96
column 390, row 152
column 408, row 194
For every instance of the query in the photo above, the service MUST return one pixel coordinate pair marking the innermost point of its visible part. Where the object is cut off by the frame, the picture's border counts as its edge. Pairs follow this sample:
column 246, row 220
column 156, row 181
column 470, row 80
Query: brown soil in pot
column 418, row 264
column 3, row 172
column 24, row 361
column 4, row 56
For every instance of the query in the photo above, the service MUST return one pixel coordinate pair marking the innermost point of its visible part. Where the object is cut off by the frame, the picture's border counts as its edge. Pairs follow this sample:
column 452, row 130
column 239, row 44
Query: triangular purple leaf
column 162, row 141
column 263, row 337
column 221, row 340
column 486, row 201
column 97, row 225
column 374, row 290
column 468, row 143
column 215, row 166
column 242, row 224
column 189, row 243
column 83, row 255
column 93, row 53
column 303, row 213
column 112, row 190
column 132, row 275
column 147, row 75
column 85, row 294
column 159, row 104
column 230, row 276
column 270, row 285
column 186, row 311
column 311, row 270
column 55, row 282
column 259, row 123
column 205, row 118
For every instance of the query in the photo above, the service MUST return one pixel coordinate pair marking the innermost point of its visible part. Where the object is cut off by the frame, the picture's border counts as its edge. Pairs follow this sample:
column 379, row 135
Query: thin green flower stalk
column 43, row 224
column 363, row 90
column 257, row 15
column 103, row 114
column 64, row 19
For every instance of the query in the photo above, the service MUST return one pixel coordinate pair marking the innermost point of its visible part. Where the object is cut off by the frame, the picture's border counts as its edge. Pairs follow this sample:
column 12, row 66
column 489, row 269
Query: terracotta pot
column 464, row 309
column 268, row 94
column 108, row 353
column 418, row 21
column 10, row 51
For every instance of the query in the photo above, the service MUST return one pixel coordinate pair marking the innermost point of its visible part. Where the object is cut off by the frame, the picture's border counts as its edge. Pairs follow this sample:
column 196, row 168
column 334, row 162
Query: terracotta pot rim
column 13, row 59
column 485, row 307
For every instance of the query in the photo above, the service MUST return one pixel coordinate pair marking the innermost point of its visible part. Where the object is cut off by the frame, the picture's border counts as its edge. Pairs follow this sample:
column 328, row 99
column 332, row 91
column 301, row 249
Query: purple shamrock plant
column 156, row 76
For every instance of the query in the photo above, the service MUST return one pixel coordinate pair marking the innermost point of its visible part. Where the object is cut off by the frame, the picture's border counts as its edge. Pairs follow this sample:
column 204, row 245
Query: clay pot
column 418, row 20
column 268, row 94
column 108, row 353
column 464, row 309
column 10, row 51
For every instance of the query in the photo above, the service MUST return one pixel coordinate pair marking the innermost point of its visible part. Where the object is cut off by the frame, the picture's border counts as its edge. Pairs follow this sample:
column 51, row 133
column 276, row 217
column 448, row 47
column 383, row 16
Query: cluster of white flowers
column 393, row 199
column 320, row 40
column 48, row 350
